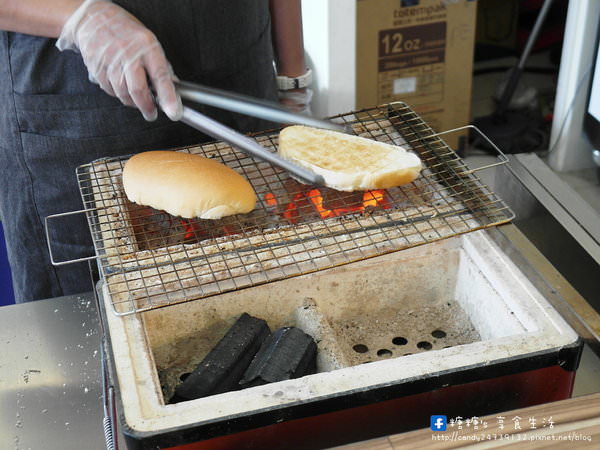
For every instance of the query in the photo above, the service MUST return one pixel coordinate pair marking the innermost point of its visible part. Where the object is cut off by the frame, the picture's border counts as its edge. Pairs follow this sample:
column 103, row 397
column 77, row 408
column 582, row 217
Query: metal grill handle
column 54, row 216
column 502, row 156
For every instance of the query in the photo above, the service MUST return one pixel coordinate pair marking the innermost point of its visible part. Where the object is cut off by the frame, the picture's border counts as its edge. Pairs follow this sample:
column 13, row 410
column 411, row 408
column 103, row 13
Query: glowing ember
column 189, row 228
column 195, row 232
column 228, row 230
column 376, row 198
column 270, row 199
column 291, row 210
column 317, row 200
column 370, row 199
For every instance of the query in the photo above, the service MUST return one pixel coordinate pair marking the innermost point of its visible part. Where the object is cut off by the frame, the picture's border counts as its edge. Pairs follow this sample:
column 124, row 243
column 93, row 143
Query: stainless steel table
column 50, row 375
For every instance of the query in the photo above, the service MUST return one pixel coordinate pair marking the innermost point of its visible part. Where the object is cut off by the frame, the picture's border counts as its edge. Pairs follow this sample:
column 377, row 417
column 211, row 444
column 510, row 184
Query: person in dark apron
column 53, row 119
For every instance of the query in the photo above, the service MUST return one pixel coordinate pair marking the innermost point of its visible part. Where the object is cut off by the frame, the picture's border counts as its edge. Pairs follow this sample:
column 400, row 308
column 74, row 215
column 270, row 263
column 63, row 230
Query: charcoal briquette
column 288, row 353
column 223, row 367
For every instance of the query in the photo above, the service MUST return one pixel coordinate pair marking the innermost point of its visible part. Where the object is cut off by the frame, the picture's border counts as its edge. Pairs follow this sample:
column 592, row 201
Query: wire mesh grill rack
column 150, row 259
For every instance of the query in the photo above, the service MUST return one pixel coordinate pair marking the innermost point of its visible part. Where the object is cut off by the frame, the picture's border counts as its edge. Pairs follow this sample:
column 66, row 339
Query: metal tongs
column 253, row 107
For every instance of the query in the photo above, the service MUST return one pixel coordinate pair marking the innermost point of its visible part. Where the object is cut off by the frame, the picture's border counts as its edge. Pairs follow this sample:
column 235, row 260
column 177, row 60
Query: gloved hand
column 296, row 100
column 121, row 55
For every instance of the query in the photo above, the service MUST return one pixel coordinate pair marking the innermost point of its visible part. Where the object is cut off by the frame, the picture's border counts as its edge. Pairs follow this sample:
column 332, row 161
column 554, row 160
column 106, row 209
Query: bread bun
column 186, row 185
column 348, row 163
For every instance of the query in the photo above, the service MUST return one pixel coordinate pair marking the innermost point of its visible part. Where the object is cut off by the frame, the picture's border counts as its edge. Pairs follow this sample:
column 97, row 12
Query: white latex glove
column 296, row 100
column 122, row 56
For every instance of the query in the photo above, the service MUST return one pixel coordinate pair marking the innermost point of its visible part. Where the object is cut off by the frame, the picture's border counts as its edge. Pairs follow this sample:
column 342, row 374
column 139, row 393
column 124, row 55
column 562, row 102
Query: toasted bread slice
column 348, row 163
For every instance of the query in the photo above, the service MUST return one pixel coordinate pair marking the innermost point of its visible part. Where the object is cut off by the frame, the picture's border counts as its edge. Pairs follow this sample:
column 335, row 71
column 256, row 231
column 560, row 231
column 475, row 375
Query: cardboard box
column 497, row 22
column 419, row 52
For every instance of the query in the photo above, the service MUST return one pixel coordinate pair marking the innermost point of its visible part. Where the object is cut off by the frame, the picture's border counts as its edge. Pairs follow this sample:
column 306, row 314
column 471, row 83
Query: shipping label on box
column 411, row 58
column 419, row 52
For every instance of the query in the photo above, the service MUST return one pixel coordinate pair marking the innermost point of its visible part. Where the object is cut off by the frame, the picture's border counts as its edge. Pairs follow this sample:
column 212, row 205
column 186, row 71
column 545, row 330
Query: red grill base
column 399, row 415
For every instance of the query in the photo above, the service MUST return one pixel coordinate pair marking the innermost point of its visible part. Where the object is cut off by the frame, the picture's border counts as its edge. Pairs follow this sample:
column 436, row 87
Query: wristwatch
column 286, row 83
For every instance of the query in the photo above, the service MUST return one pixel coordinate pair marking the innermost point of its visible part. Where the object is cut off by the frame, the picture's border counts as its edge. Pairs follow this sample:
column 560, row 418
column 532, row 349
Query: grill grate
column 150, row 259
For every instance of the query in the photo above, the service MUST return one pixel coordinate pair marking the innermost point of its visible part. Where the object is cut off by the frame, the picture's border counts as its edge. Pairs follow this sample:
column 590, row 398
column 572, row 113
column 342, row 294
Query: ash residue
column 385, row 333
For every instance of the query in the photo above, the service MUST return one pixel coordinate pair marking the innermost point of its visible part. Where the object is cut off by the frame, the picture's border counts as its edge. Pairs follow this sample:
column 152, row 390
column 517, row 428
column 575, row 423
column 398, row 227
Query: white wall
column 571, row 150
column 330, row 44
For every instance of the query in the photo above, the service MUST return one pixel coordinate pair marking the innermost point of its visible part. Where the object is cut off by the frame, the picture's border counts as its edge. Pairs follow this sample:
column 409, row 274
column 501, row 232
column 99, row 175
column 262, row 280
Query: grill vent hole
column 399, row 340
column 438, row 334
column 425, row 345
column 384, row 353
column 360, row 348
column 183, row 376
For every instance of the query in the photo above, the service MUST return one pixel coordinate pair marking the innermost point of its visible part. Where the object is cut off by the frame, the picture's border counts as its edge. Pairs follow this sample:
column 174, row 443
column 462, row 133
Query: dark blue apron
column 52, row 119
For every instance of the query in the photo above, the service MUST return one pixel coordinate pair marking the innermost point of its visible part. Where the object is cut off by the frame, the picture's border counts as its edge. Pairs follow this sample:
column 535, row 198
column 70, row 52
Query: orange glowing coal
column 189, row 228
column 370, row 199
column 375, row 198
column 193, row 230
column 270, row 199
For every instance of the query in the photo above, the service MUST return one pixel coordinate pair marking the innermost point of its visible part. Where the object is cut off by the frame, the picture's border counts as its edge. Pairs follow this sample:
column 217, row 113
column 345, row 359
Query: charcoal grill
column 150, row 259
column 448, row 323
